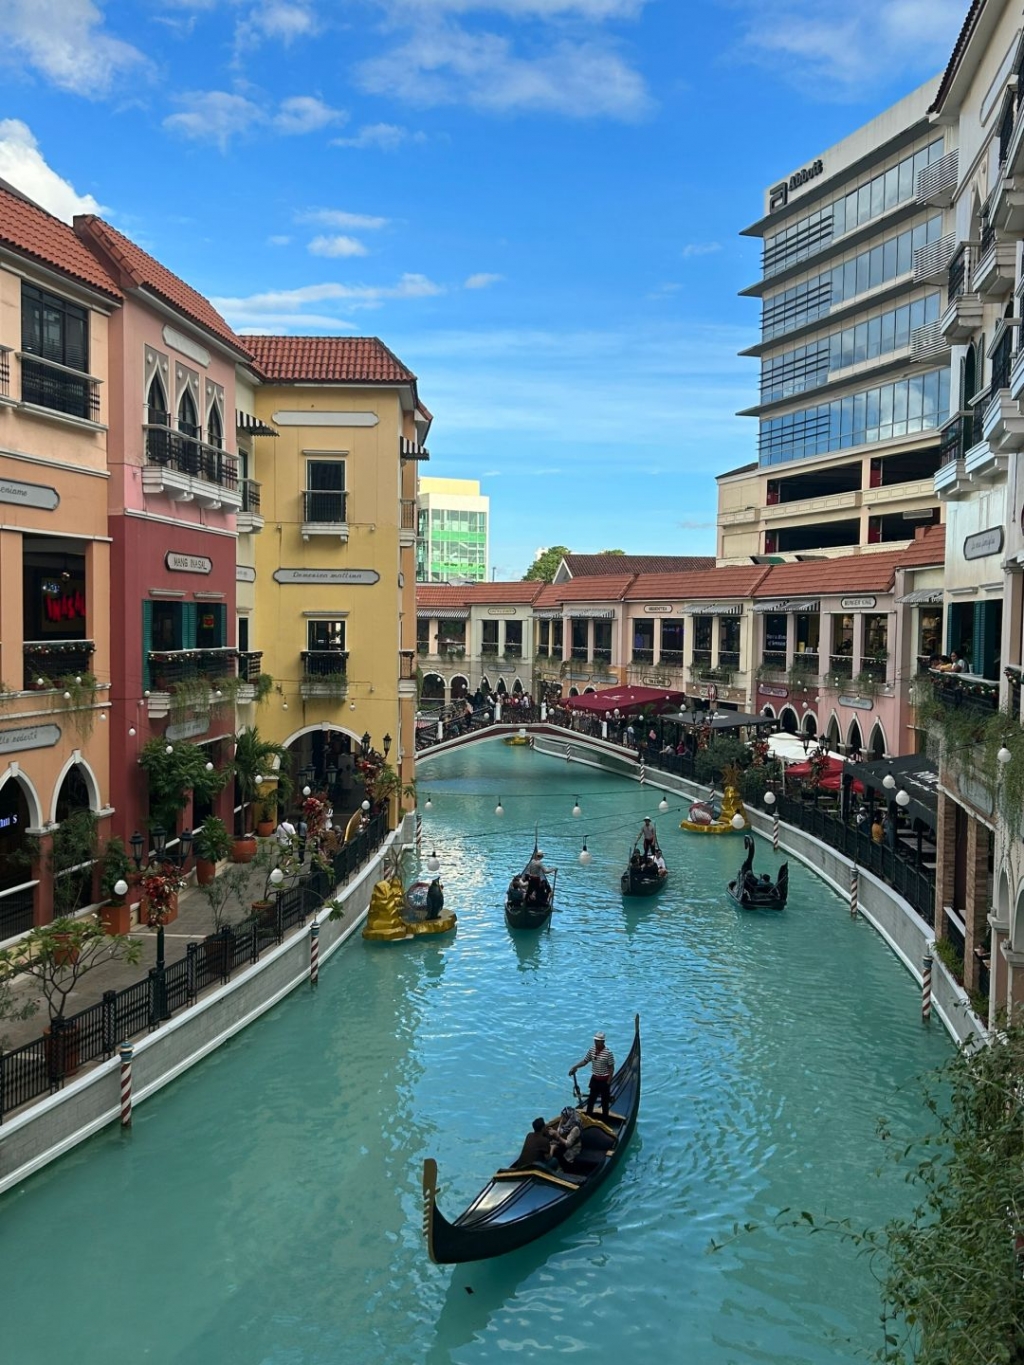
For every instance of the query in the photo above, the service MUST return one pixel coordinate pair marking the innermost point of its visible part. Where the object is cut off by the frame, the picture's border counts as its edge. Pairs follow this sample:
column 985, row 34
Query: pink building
column 173, row 493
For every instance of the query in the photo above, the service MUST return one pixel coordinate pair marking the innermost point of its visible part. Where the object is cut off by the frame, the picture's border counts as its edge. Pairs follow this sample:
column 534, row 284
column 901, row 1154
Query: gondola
column 517, row 1206
column 523, row 912
column 753, row 893
column 641, row 880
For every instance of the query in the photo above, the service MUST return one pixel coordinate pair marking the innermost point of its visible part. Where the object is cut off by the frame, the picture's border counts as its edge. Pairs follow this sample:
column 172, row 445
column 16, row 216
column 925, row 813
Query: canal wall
column 48, row 1129
column 907, row 934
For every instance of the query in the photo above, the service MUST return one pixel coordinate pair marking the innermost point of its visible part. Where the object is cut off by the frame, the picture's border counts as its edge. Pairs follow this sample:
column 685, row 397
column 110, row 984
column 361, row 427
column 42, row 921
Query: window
column 215, row 429
column 188, row 417
column 156, row 403
column 326, row 635
column 325, row 497
column 54, row 329
column 243, row 634
column 643, row 641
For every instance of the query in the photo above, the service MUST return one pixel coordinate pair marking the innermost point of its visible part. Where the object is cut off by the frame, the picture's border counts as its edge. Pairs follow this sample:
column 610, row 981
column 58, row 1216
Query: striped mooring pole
column 926, row 989
column 314, row 953
column 854, row 889
column 419, row 833
column 568, row 753
column 643, row 774
column 126, row 1050
column 533, row 741
column 775, row 832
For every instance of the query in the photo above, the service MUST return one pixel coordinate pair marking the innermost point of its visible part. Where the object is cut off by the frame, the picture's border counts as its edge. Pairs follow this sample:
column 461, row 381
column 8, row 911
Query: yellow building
column 335, row 590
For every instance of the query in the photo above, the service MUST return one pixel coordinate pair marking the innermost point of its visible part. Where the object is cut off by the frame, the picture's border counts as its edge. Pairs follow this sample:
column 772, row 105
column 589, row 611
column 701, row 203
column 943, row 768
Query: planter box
column 116, row 917
column 243, row 850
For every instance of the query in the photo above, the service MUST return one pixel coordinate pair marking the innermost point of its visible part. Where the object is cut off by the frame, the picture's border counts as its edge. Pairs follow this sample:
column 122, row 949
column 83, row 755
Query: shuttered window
column 54, row 329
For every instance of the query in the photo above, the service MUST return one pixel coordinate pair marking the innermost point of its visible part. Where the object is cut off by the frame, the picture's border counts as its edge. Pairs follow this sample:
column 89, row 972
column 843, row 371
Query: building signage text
column 501, row 611
column 29, row 737
column 327, row 576
column 659, row 608
column 778, row 196
column 772, row 691
column 857, row 603
column 244, row 573
column 186, row 729
column 858, row 703
column 29, row 495
column 984, row 543
column 179, row 563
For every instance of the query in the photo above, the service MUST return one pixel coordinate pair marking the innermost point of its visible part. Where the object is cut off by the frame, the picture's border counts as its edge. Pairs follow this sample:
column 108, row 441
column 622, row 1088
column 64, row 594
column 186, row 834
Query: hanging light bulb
column 428, row 804
column 365, row 808
column 902, row 799
column 284, row 706
column 576, row 812
column 663, row 805
column 78, row 679
column 433, row 862
column 888, row 782
column 1003, row 756
column 586, row 857
column 738, row 821
column 67, row 696
column 258, row 780
column 307, row 791
column 499, row 809
column 103, row 715
column 132, row 730
column 769, row 799
column 276, row 877
column 169, row 749
column 209, row 767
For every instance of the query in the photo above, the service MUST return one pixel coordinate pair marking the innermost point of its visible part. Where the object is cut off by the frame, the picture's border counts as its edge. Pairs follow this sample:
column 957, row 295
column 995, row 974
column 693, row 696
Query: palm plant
column 258, row 757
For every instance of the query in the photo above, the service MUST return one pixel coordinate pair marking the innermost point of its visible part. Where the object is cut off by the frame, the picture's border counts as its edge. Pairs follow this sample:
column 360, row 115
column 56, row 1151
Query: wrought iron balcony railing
column 250, row 496
column 167, row 667
column 45, row 384
column 188, row 455
column 324, row 663
column 642, row 655
column 840, row 665
column 5, row 371
column 322, row 508
column 45, row 661
column 409, row 517
column 250, row 666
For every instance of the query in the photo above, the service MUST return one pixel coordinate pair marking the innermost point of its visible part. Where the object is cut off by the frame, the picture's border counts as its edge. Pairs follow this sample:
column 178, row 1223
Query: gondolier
column 602, row 1068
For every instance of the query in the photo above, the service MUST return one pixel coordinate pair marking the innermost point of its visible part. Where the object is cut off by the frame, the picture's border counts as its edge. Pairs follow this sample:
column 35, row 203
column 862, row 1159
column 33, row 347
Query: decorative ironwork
column 188, row 455
column 46, row 384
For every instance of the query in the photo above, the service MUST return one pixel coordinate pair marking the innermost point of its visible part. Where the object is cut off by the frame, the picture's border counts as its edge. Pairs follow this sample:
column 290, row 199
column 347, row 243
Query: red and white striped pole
column 126, row 1050
column 314, row 953
column 854, row 889
column 926, row 989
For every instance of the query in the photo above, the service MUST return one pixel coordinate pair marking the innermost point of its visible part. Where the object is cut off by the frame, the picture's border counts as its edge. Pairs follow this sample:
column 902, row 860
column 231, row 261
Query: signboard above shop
column 180, row 563
column 857, row 603
column 29, row 495
column 348, row 577
column 984, row 543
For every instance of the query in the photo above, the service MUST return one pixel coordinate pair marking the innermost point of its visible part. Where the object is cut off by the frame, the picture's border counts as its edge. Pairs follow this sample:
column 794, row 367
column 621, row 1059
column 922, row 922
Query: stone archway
column 19, row 812
column 788, row 721
column 833, row 733
column 810, row 726
column 433, row 688
column 768, row 711
column 517, row 687
column 854, row 738
column 877, row 747
column 76, row 789
column 459, row 687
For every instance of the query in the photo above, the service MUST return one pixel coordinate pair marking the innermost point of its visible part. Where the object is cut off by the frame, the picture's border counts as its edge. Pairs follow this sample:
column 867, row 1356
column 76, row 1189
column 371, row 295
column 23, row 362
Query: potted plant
column 266, row 821
column 211, row 844
column 243, row 848
column 276, row 863
column 117, row 868
column 174, row 772
column 256, row 757
column 56, row 957
column 160, row 887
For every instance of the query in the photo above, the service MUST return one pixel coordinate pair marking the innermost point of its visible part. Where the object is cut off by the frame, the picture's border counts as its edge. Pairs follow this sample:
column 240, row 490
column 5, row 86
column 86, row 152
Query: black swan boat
column 758, row 893
column 517, row 1206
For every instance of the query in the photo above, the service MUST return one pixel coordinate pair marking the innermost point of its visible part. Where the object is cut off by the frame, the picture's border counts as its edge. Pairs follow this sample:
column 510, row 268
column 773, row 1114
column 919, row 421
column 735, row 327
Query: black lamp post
column 365, row 742
column 387, row 745
column 138, row 844
column 177, row 858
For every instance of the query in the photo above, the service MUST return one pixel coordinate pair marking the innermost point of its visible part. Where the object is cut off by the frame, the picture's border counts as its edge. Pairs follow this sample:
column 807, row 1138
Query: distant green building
column 454, row 532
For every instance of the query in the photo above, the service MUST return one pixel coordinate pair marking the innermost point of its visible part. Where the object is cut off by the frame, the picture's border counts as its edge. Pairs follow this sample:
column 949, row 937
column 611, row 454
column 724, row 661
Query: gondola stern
column 434, row 1221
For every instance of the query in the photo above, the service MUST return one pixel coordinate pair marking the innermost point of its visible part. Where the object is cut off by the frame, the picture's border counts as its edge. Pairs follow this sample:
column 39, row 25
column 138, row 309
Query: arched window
column 876, row 744
column 854, row 739
column 459, row 687
column 788, row 721
column 433, row 688
column 188, row 418
column 214, row 429
column 156, row 403
column 810, row 725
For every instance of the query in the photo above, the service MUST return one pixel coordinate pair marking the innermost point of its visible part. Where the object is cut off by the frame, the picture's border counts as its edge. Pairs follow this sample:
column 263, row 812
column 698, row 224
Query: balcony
column 489, row 649
column 951, row 481
column 928, row 343
column 840, row 669
column 186, row 469
column 1002, row 422
column 169, row 667
column 803, row 668
column 936, row 184
column 407, row 530
column 5, row 373
column 324, row 673
column 671, row 658
column 874, row 668
column 49, row 387
column 47, row 661
column 248, row 519
column 772, row 665
column 406, row 665
column 250, row 667
column 810, row 507
column 969, row 691
column 324, row 514
column 643, row 656
column 995, row 272
column 931, row 262
column 964, row 312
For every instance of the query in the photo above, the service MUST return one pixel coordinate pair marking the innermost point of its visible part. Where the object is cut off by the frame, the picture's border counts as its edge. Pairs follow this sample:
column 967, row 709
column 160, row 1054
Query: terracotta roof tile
column 328, row 360
column 732, row 580
column 589, row 565
column 821, row 577
column 139, row 270
column 473, row 594
column 31, row 231
column 927, row 549
column 606, row 588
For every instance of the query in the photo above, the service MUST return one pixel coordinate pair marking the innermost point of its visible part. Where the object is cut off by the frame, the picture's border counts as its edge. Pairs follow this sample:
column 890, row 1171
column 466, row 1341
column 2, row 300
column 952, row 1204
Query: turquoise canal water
column 266, row 1208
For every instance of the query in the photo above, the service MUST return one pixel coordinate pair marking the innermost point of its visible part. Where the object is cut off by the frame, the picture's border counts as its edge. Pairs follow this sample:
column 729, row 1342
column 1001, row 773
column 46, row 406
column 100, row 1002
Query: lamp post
column 387, row 745
column 365, row 743
column 177, row 858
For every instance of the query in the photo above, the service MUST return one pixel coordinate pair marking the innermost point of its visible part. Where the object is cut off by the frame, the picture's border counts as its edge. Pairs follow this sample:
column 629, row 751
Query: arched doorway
column 324, row 759
column 73, row 847
column 589, row 689
column 517, row 687
column 876, row 744
column 854, row 739
column 833, row 733
column 459, row 687
column 788, row 721
column 810, row 725
column 502, row 690
column 574, row 691
column 432, row 688
column 768, row 711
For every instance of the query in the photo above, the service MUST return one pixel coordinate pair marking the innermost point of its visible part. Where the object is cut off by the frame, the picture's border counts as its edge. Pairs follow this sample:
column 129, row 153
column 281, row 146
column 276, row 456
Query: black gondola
column 642, row 878
column 758, row 893
column 518, row 1206
column 529, row 902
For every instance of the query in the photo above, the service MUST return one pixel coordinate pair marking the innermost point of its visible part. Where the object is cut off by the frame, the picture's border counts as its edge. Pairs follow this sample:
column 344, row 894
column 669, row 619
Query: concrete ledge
column 46, row 1130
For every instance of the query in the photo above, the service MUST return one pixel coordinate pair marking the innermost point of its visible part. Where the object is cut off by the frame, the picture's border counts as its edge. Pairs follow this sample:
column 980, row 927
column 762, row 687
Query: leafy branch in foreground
column 952, row 1273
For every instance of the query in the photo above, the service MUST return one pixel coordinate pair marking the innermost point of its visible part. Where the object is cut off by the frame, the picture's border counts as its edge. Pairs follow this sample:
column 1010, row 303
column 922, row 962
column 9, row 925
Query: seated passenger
column 538, row 1149
column 568, row 1136
column 659, row 860
column 517, row 891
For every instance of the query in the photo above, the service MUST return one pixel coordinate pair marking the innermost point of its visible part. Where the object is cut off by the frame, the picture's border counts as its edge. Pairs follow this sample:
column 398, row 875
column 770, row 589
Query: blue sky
column 535, row 203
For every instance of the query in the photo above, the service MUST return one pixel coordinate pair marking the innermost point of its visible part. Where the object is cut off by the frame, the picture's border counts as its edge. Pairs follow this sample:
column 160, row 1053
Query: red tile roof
column 31, row 231
column 328, row 360
column 139, row 270
column 926, row 549
column 733, row 580
column 589, row 565
column 606, row 588
column 820, row 577
column 472, row 594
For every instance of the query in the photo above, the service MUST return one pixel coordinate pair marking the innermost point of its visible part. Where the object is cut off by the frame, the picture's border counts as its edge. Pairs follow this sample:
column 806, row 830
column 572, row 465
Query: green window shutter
column 189, row 620
column 221, row 612
column 147, row 642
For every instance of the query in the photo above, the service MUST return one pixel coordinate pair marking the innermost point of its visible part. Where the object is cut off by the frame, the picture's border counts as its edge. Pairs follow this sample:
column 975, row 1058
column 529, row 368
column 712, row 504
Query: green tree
column 545, row 566
column 611, row 552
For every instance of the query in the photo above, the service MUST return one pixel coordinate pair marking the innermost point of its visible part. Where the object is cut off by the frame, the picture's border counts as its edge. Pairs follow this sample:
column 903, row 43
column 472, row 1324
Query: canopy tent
column 628, row 701
column 913, row 773
column 718, row 720
column 831, row 774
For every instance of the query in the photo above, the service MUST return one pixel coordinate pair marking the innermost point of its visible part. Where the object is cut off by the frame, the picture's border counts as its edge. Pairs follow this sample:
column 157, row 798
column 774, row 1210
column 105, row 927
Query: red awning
column 628, row 701
column 831, row 774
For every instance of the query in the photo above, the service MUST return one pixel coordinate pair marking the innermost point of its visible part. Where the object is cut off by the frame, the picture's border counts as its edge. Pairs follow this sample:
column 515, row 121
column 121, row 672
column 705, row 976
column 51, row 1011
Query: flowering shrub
column 159, row 889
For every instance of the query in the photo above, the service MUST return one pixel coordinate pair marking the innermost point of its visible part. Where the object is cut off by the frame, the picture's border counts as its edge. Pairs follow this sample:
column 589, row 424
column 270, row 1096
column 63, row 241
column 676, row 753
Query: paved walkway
column 194, row 922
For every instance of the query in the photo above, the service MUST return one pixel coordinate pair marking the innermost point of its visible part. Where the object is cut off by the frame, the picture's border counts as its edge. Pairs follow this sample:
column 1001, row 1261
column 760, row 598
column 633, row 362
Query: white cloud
column 22, row 164
column 266, row 311
column 593, row 10
column 254, row 324
column 385, row 137
column 837, row 49
column 67, row 43
column 279, row 241
column 482, row 280
column 692, row 249
column 214, row 116
column 445, row 64
column 336, row 246
column 280, row 21
column 306, row 114
column 339, row 218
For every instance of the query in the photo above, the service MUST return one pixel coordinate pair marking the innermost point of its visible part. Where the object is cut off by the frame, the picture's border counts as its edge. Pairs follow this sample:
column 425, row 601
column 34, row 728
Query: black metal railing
column 250, row 666
column 578, row 652
column 874, row 668
column 320, row 508
column 48, row 385
column 1002, row 362
column 968, row 691
column 16, row 910
column 409, row 514
column 729, row 659
column 513, row 651
column 643, row 656
column 1006, row 131
column 840, row 665
column 988, row 237
column 772, row 663
column 189, row 455
column 406, row 665
column 324, row 663
column 250, row 496
column 701, row 657
column 5, row 372
column 805, row 664
column 671, row 658
column 489, row 649
column 168, row 667
column 42, row 1066
column 957, row 275
column 602, row 654
column 47, row 660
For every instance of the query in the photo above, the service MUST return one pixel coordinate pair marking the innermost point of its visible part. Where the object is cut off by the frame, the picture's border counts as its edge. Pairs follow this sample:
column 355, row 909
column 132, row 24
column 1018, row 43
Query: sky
column 535, row 203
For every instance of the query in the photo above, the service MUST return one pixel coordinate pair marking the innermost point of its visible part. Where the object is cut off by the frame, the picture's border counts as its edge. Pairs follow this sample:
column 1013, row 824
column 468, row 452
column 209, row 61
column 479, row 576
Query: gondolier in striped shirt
column 602, row 1069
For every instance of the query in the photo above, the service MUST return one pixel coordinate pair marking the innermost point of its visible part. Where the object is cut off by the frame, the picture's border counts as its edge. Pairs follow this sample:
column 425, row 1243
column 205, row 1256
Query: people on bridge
column 602, row 1069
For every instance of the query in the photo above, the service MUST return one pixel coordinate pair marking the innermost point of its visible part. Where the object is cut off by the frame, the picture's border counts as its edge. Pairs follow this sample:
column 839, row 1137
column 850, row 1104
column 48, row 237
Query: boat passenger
column 602, row 1069
column 568, row 1135
column 659, row 860
column 538, row 1149
column 435, row 899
